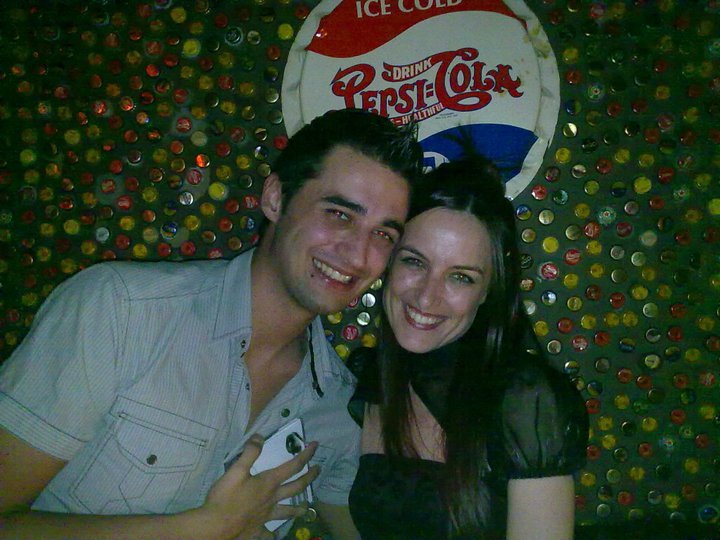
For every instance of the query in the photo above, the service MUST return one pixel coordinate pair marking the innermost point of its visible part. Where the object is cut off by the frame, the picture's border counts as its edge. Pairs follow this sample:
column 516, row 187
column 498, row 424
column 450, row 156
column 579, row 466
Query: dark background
column 143, row 131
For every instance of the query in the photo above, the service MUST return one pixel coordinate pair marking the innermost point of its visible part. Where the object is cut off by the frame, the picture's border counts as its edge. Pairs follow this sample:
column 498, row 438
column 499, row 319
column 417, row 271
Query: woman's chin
column 417, row 347
column 414, row 338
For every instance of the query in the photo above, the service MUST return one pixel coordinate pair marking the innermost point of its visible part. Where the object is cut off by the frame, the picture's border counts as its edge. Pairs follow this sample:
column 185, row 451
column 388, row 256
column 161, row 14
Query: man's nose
column 355, row 249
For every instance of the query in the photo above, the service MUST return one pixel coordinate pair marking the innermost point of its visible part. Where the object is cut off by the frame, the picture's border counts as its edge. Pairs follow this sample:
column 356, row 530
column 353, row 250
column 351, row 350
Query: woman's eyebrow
column 413, row 251
column 477, row 269
column 419, row 254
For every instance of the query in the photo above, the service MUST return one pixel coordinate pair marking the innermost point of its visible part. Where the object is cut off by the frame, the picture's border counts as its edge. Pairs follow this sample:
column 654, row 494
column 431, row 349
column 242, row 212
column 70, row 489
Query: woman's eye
column 411, row 261
column 463, row 278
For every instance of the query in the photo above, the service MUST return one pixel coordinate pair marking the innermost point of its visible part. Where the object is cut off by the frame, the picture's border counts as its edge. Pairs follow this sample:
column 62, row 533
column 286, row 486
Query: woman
column 465, row 433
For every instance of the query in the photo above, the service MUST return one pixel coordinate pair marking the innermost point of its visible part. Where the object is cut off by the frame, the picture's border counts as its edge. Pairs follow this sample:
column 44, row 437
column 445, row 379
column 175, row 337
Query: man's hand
column 236, row 508
column 241, row 503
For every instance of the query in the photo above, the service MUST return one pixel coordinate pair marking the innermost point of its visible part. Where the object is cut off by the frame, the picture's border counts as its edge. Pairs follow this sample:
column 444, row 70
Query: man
column 139, row 383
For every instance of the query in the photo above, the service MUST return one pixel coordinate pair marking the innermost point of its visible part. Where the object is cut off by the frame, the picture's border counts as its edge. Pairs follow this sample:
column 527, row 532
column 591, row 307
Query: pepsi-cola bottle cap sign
column 483, row 66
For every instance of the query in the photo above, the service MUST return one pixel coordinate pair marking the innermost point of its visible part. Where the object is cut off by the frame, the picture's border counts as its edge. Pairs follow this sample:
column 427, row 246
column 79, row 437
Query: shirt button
column 243, row 343
column 151, row 459
column 285, row 413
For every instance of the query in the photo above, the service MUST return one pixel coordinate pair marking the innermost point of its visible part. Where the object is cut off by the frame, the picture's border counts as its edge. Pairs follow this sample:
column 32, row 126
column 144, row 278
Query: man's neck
column 279, row 338
column 277, row 320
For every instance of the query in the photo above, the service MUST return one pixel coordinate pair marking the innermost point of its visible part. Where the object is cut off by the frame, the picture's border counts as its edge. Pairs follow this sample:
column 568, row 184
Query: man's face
column 336, row 234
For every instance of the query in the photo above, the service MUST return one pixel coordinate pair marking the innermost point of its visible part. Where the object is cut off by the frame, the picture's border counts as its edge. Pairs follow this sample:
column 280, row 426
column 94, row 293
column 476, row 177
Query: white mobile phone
column 282, row 446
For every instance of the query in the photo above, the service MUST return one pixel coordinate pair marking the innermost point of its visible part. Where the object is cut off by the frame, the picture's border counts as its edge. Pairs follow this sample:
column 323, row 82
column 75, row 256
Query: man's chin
column 332, row 303
column 325, row 306
column 334, row 307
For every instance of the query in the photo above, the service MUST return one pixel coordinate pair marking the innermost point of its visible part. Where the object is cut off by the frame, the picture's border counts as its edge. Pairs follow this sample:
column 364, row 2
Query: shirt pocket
column 323, row 457
column 143, row 461
column 327, row 480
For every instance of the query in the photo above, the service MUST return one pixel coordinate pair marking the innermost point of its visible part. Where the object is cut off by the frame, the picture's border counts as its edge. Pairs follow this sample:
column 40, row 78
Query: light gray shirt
column 134, row 374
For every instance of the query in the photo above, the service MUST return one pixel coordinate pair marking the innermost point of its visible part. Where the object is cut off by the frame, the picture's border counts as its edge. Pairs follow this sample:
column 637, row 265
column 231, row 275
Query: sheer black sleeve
column 363, row 363
column 542, row 424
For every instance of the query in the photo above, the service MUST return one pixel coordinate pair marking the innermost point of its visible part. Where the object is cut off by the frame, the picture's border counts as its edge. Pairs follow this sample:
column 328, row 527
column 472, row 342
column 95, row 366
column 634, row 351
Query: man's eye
column 386, row 236
column 338, row 214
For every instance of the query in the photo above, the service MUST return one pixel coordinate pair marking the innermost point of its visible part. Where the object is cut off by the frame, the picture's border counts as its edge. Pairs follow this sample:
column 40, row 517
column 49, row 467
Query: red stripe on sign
column 357, row 27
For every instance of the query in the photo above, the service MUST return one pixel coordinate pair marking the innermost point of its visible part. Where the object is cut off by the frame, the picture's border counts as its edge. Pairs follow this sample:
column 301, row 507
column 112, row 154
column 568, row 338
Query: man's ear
column 271, row 199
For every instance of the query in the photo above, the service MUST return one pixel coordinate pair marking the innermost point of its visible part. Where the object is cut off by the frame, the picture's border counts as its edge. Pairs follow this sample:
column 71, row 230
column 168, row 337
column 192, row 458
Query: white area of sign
column 306, row 90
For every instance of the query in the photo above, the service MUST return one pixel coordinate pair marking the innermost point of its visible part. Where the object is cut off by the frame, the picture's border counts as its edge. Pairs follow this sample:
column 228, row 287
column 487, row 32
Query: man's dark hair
column 370, row 134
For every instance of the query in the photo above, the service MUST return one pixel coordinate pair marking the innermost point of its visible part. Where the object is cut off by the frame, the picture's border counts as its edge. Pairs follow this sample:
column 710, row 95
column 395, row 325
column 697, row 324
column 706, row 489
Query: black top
column 541, row 431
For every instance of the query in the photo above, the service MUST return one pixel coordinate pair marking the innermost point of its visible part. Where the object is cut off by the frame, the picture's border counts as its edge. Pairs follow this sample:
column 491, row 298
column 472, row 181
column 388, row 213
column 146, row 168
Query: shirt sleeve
column 543, row 424
column 60, row 381
column 364, row 365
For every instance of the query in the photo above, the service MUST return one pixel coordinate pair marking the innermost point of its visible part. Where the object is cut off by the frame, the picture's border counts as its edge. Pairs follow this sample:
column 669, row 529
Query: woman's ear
column 271, row 198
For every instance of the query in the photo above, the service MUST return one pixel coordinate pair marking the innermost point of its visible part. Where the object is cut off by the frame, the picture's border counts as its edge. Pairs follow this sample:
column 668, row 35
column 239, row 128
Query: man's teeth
column 419, row 318
column 331, row 272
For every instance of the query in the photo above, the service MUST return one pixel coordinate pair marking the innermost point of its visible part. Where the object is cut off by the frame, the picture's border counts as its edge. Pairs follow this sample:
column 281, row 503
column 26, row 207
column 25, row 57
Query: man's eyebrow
column 360, row 209
column 394, row 224
column 340, row 201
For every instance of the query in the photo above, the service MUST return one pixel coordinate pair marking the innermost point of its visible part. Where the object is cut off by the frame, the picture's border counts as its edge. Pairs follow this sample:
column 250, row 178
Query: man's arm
column 541, row 508
column 338, row 521
column 24, row 472
column 236, row 507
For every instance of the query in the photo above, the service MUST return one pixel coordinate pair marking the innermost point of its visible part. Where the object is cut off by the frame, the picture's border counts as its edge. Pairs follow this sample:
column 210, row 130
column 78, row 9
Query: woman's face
column 438, row 278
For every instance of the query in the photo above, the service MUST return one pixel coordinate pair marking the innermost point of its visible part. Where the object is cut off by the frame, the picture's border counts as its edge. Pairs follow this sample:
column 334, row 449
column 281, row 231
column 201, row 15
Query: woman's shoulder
column 530, row 385
column 529, row 373
column 542, row 419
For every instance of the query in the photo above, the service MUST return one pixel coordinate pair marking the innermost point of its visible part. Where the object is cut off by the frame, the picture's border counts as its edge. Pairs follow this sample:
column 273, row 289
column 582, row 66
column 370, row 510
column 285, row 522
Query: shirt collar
column 234, row 312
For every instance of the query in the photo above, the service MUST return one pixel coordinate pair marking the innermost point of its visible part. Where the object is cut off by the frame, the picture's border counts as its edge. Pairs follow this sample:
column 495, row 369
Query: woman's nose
column 429, row 293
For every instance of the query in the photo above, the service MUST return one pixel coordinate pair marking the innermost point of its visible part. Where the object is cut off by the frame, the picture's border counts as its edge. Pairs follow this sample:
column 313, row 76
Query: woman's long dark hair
column 470, row 184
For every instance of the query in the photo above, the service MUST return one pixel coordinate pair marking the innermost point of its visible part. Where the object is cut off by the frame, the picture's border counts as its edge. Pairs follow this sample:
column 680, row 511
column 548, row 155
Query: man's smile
column 330, row 272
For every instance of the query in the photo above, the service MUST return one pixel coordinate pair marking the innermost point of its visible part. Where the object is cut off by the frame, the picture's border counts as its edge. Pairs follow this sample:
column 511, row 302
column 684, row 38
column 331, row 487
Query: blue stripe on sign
column 507, row 146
